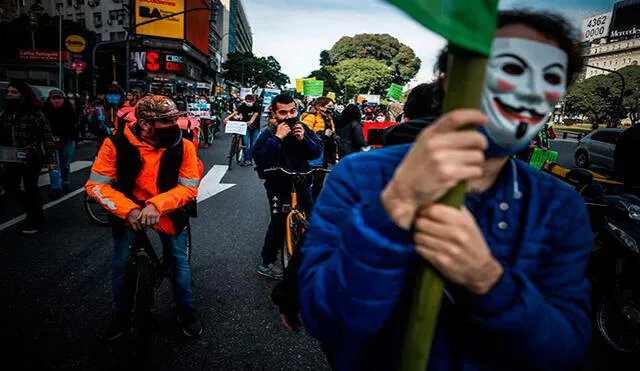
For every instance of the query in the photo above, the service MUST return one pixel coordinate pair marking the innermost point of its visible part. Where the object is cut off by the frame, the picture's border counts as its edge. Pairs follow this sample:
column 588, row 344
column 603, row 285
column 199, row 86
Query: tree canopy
column 398, row 57
column 361, row 75
column 252, row 71
column 598, row 98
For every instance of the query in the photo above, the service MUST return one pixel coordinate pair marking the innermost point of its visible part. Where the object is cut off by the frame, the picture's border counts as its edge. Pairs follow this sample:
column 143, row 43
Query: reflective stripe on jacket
column 104, row 174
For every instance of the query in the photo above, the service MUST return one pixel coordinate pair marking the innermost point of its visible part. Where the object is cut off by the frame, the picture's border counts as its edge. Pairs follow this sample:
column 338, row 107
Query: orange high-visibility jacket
column 104, row 174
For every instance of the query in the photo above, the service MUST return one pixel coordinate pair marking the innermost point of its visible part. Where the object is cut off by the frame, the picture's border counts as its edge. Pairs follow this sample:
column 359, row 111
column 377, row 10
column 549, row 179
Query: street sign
column 75, row 43
column 78, row 65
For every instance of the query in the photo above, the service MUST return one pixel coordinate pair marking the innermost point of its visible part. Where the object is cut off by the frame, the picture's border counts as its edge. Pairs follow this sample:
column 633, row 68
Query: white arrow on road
column 210, row 184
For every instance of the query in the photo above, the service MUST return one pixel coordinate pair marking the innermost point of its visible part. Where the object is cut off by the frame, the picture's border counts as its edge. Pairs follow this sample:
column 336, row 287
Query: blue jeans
column 175, row 249
column 61, row 176
column 249, row 140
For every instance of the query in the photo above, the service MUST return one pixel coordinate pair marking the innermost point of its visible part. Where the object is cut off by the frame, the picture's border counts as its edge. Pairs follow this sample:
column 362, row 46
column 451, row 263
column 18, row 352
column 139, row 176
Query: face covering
column 113, row 99
column 167, row 137
column 523, row 82
column 291, row 122
column 331, row 111
column 249, row 104
column 57, row 103
column 380, row 118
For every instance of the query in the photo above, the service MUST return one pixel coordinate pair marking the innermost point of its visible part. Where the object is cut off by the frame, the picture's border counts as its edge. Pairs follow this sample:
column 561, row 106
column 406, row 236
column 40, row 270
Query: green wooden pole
column 464, row 90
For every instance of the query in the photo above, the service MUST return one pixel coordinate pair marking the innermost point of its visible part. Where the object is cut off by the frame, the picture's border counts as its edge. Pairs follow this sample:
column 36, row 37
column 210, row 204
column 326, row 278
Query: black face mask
column 167, row 137
column 291, row 122
column 12, row 105
column 331, row 111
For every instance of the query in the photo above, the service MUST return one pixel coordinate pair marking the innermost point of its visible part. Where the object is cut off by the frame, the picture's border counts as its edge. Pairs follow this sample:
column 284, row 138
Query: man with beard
column 24, row 132
column 513, row 258
column 147, row 177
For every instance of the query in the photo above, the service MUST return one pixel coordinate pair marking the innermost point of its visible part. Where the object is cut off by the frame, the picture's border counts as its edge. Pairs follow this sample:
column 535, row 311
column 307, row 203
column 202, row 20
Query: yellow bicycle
column 297, row 221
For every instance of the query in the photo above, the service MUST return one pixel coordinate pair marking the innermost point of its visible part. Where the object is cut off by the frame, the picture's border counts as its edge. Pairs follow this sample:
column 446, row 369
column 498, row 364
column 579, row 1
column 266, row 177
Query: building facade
column 237, row 35
column 612, row 40
column 108, row 18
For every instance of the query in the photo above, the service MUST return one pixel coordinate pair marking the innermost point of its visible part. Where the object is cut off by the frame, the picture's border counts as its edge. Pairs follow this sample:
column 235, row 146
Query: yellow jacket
column 317, row 123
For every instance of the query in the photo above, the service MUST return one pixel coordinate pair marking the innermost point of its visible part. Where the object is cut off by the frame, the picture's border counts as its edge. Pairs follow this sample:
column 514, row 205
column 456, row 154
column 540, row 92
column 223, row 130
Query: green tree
column 598, row 98
column 401, row 60
column 325, row 59
column 251, row 71
column 361, row 76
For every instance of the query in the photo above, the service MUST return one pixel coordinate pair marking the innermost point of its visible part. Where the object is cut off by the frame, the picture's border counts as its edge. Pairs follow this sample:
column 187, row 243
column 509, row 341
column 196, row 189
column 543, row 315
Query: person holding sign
column 513, row 259
column 248, row 112
column 289, row 144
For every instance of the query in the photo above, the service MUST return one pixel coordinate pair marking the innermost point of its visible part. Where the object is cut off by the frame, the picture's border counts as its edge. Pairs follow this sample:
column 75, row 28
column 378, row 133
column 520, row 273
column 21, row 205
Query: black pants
column 29, row 199
column 279, row 207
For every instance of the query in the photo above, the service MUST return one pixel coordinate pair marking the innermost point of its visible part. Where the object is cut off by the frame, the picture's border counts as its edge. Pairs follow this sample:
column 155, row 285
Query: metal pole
column 60, row 73
column 620, row 102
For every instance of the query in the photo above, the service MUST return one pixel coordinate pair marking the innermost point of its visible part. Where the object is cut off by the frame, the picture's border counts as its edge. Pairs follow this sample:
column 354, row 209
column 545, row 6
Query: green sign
column 468, row 24
column 395, row 92
column 542, row 156
column 313, row 88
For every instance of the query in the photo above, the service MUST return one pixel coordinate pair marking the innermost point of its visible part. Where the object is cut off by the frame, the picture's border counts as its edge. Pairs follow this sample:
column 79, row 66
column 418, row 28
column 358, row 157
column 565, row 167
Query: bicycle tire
column 296, row 227
column 210, row 134
column 140, row 280
column 96, row 212
column 232, row 150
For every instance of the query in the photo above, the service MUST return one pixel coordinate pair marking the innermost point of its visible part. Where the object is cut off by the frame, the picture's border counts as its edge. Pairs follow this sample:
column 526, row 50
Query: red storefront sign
column 42, row 55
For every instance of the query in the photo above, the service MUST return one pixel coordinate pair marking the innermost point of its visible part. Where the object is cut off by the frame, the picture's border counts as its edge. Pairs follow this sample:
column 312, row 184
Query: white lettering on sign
column 174, row 59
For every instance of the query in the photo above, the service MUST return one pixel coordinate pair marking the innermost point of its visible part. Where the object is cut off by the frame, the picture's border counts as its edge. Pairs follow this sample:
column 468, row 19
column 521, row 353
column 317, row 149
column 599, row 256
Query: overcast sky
column 296, row 31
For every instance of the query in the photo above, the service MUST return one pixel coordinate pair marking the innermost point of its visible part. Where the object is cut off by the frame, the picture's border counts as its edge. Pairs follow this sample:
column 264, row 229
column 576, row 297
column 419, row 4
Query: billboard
column 148, row 10
column 197, row 25
column 596, row 27
column 625, row 23
column 155, row 61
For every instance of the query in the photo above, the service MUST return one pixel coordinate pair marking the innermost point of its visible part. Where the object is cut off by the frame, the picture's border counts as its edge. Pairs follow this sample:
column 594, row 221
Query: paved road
column 57, row 303
column 56, row 294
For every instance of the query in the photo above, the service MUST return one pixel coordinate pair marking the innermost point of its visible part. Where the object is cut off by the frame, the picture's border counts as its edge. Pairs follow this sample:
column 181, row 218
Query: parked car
column 597, row 148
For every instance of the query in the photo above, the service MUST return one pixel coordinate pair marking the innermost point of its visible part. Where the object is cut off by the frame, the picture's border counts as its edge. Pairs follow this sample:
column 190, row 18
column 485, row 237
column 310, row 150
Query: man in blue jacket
column 289, row 144
column 513, row 258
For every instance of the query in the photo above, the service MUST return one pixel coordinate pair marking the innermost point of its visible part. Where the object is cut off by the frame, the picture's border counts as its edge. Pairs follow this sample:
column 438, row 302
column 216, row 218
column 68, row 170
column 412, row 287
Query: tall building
column 237, row 36
column 611, row 40
column 108, row 18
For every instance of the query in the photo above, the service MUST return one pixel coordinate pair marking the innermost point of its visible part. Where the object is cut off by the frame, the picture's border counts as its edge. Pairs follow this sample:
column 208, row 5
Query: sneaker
column 246, row 163
column 270, row 271
column 191, row 326
column 30, row 229
column 118, row 327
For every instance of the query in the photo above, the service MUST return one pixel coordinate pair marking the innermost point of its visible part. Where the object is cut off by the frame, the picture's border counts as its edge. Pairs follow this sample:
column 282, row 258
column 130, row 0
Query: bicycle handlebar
column 285, row 171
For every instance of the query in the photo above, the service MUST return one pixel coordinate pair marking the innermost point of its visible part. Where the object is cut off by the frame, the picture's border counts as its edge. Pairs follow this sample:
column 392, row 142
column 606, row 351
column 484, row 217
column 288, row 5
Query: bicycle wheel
column 296, row 227
column 140, row 281
column 210, row 134
column 232, row 151
column 97, row 213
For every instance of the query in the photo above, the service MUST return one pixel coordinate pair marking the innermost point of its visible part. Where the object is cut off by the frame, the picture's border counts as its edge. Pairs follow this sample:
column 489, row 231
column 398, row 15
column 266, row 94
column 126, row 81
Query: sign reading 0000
column 596, row 27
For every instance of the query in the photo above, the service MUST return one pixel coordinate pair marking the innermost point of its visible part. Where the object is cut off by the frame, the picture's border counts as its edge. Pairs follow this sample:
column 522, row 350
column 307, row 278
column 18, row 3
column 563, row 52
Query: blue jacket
column 358, row 268
column 294, row 155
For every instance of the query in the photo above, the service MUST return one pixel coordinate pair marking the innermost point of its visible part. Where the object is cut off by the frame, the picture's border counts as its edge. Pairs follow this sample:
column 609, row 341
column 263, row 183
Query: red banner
column 42, row 55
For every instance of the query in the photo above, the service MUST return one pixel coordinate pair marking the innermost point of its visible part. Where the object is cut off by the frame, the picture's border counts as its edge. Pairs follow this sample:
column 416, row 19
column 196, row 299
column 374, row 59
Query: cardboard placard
column 236, row 127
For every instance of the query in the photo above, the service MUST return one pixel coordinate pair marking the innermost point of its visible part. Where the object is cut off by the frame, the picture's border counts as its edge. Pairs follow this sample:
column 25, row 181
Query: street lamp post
column 620, row 110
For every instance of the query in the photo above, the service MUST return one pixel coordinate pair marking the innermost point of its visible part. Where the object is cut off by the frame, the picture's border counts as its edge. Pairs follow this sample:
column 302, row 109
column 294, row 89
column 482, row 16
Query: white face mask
column 380, row 118
column 523, row 82
column 249, row 104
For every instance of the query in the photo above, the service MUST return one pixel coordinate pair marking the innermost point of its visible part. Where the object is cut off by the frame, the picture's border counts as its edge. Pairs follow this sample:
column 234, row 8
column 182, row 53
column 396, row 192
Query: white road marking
column 210, row 185
column 75, row 166
column 22, row 217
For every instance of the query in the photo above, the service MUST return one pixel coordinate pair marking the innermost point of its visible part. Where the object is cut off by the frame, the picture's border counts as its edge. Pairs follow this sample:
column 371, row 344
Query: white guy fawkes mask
column 523, row 82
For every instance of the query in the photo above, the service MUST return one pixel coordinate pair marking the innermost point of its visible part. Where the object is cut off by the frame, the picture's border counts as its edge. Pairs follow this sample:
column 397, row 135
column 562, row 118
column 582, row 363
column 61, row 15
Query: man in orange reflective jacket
column 148, row 177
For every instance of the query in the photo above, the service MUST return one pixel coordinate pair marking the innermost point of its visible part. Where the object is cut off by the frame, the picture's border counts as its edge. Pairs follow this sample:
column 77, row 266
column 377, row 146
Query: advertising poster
column 148, row 10
column 268, row 96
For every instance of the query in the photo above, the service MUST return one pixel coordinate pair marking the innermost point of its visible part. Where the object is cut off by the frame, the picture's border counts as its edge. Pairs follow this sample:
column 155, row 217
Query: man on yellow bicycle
column 289, row 144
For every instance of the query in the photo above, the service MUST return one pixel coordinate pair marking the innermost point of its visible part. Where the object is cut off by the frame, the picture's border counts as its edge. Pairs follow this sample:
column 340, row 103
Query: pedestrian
column 249, row 112
column 289, row 144
column 62, row 117
column 24, row 129
column 350, row 131
column 321, row 122
column 148, row 178
column 113, row 101
column 513, row 258
column 423, row 106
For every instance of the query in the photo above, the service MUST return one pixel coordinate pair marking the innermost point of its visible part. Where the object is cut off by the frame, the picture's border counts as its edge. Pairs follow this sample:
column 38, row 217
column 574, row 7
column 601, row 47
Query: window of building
column 116, row 36
column 97, row 19
column 69, row 2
